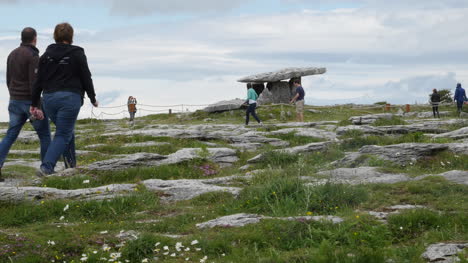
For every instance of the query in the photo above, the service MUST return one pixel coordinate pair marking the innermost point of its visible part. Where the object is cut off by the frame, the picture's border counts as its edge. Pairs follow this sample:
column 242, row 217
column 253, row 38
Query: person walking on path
column 459, row 98
column 20, row 76
column 251, row 101
column 63, row 78
column 132, row 107
column 299, row 100
column 435, row 101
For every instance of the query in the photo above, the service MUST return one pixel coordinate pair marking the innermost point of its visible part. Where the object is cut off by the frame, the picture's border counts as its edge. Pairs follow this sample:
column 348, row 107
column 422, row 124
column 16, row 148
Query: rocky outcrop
column 394, row 129
column 403, row 153
column 444, row 252
column 307, row 132
column 145, row 144
column 311, row 147
column 222, row 156
column 363, row 175
column 287, row 73
column 225, row 105
column 240, row 220
column 456, row 135
column 369, row 119
column 174, row 190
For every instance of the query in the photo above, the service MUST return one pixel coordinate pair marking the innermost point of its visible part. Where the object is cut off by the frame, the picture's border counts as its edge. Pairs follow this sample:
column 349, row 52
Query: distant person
column 132, row 107
column 251, row 101
column 459, row 98
column 299, row 100
column 435, row 101
column 63, row 78
column 20, row 75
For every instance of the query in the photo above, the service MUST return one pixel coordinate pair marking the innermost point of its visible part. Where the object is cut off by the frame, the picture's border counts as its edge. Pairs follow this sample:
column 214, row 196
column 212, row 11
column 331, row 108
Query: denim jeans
column 19, row 114
column 459, row 106
column 251, row 110
column 62, row 107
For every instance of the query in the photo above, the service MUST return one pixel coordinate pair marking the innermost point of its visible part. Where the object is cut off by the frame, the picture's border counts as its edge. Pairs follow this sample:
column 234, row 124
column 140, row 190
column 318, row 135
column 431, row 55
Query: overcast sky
column 192, row 52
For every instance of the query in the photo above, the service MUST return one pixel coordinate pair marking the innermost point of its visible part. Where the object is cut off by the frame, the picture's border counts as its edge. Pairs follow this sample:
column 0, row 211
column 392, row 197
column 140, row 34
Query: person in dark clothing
column 63, row 78
column 131, row 104
column 299, row 100
column 435, row 101
column 251, row 101
column 21, row 74
column 459, row 98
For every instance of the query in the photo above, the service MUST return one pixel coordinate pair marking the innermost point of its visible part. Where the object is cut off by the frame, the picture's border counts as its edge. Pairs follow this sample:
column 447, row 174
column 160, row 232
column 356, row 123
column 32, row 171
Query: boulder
column 225, row 105
column 277, row 92
column 307, row 132
column 287, row 73
column 369, row 119
column 308, row 148
column 444, row 252
column 457, row 134
column 240, row 220
column 403, row 153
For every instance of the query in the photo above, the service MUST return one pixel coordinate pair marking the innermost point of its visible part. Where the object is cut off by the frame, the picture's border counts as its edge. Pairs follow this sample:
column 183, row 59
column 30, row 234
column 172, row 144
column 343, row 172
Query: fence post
column 387, row 107
column 408, row 108
column 170, row 111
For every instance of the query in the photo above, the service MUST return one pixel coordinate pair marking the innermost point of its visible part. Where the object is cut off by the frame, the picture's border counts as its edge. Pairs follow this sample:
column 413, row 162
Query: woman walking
column 63, row 78
column 435, row 101
column 252, row 105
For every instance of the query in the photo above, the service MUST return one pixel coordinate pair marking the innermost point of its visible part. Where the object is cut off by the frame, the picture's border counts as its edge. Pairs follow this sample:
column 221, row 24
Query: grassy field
column 86, row 231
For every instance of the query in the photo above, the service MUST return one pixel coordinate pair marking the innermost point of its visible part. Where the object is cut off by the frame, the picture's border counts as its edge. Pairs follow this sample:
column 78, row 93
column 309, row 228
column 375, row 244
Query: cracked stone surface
column 307, row 132
column 240, row 220
column 248, row 147
column 145, row 144
column 456, row 135
column 394, row 129
column 225, row 105
column 222, row 156
column 311, row 147
column 128, row 235
column 369, row 119
column 174, row 190
column 444, row 252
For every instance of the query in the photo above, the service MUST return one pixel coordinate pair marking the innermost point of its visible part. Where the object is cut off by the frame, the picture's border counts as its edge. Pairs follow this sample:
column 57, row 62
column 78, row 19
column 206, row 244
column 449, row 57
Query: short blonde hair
column 63, row 33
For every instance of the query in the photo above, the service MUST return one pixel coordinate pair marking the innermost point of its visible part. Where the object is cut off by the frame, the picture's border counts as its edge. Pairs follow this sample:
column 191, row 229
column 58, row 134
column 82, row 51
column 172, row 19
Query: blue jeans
column 19, row 114
column 251, row 110
column 62, row 107
column 459, row 105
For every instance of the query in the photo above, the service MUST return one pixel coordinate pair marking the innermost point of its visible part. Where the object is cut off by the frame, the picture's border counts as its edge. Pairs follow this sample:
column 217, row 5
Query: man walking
column 299, row 100
column 21, row 73
column 435, row 101
column 459, row 98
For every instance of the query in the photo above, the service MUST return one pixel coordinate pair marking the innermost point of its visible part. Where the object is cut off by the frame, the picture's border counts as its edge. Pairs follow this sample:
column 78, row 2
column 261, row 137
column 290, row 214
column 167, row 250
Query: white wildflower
column 104, row 232
column 401, row 228
column 51, row 243
column 173, row 254
column 223, row 255
column 106, row 247
column 166, row 248
column 86, row 181
column 84, row 259
column 157, row 244
column 144, row 260
column 197, row 249
column 187, row 249
column 194, row 242
column 115, row 255
column 95, row 252
column 179, row 246
column 442, row 163
column 61, row 218
column 203, row 260
column 166, row 253
column 66, row 208
column 187, row 259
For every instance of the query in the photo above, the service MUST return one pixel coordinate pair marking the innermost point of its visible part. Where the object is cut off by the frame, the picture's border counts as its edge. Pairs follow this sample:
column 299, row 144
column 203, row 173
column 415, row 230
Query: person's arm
column 85, row 76
column 295, row 98
column 32, row 71
column 37, row 86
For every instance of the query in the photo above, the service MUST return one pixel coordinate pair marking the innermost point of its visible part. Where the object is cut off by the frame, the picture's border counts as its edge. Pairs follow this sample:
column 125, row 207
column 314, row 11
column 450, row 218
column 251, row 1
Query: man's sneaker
column 42, row 173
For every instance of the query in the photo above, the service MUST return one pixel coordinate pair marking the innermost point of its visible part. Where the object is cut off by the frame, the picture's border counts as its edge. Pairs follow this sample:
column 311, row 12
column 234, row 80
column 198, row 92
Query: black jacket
column 21, row 71
column 435, row 97
column 63, row 67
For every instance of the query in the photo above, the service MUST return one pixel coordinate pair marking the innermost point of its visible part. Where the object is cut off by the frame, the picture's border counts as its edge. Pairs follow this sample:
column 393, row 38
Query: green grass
column 387, row 122
column 296, row 140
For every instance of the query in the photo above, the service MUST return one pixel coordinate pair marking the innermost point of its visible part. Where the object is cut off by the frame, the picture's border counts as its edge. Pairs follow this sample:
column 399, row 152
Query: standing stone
column 276, row 92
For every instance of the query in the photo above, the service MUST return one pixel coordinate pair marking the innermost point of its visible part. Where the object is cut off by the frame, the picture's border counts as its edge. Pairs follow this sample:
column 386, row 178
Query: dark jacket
column 63, row 67
column 460, row 94
column 435, row 98
column 21, row 71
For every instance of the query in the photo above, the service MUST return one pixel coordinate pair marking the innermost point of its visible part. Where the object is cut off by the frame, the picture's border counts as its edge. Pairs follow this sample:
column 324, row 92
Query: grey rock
column 226, row 105
column 458, row 148
column 457, row 134
column 176, row 190
column 307, row 132
column 278, row 92
column 92, row 146
column 393, row 210
column 128, row 161
column 240, row 220
column 362, row 175
column 305, row 124
column 426, row 114
column 459, row 177
column 360, row 128
column 403, row 153
column 369, row 119
column 247, row 147
column 314, row 111
column 287, row 73
column 311, row 147
column 443, row 252
column 394, row 129
column 128, row 235
column 145, row 144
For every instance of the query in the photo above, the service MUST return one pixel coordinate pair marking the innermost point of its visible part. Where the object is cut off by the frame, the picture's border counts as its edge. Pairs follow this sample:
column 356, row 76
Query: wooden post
column 170, row 111
column 408, row 108
column 387, row 107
